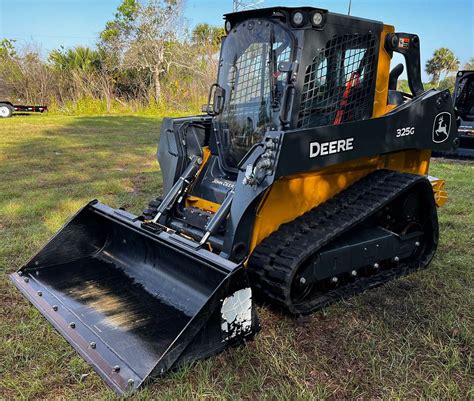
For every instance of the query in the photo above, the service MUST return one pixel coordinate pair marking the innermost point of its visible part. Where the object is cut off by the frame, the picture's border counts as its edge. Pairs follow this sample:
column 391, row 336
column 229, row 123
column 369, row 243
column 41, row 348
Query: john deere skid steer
column 305, row 181
column 463, row 98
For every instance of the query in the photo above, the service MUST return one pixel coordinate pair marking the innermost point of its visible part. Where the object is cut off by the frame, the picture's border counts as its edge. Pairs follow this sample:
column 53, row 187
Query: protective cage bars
column 338, row 85
column 250, row 77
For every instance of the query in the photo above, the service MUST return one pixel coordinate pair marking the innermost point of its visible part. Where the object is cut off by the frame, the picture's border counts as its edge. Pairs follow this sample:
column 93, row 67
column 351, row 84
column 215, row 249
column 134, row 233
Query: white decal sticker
column 223, row 183
column 441, row 127
column 328, row 148
column 405, row 131
column 236, row 313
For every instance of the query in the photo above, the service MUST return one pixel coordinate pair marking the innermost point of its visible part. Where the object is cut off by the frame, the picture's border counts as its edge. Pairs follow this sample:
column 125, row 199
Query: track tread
column 274, row 262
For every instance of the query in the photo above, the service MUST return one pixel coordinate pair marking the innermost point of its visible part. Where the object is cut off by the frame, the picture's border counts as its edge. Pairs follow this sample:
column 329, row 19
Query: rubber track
column 276, row 259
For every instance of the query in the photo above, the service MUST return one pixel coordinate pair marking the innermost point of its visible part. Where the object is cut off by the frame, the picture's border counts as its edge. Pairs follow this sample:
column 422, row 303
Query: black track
column 274, row 264
column 150, row 212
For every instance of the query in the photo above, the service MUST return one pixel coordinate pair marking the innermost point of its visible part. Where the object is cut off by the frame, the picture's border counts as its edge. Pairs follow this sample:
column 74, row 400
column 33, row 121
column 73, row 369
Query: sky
column 50, row 24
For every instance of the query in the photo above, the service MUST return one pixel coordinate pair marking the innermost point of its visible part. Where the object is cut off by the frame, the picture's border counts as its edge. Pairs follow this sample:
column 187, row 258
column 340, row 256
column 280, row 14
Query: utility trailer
column 7, row 109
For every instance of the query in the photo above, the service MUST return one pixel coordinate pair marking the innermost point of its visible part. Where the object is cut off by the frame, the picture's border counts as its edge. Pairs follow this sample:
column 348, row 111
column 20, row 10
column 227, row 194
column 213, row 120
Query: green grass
column 410, row 338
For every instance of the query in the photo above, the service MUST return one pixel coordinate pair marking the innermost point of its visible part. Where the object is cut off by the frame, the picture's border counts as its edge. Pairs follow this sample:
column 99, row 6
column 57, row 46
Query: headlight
column 297, row 18
column 317, row 19
column 228, row 26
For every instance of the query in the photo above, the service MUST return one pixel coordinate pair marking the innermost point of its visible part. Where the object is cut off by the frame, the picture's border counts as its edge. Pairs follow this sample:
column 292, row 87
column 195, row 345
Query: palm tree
column 443, row 60
column 79, row 58
column 206, row 35
column 469, row 65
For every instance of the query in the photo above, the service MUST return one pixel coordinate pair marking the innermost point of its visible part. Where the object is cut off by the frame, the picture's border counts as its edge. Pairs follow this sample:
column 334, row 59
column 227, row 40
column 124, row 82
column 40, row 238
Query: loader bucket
column 136, row 303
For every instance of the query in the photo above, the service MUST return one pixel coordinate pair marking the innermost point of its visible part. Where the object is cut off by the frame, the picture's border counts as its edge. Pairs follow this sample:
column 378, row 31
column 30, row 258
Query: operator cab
column 267, row 82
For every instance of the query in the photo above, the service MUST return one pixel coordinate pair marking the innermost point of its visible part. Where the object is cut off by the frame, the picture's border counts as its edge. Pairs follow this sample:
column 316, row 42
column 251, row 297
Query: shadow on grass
column 51, row 172
column 21, row 114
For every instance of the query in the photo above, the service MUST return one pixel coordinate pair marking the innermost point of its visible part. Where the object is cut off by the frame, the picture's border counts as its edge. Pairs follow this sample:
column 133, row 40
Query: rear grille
column 339, row 84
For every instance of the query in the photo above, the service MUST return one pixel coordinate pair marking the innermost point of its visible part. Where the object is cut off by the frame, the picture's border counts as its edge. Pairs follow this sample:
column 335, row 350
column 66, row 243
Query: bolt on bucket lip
column 125, row 365
column 69, row 325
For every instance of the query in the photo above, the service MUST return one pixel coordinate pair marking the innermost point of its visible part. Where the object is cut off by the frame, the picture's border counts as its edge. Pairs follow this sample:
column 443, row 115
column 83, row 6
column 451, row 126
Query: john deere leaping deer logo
column 441, row 127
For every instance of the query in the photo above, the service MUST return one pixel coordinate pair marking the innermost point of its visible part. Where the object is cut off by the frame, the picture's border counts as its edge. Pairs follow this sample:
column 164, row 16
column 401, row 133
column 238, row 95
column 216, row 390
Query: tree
column 402, row 86
column 447, row 83
column 23, row 74
column 7, row 49
column 469, row 65
column 8, row 65
column 205, row 44
column 78, row 58
column 443, row 60
column 145, row 53
column 139, row 35
column 205, row 35
column 83, row 72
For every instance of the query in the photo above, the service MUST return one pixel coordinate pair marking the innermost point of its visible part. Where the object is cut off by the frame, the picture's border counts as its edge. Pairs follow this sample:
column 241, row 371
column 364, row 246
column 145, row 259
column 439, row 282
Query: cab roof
column 285, row 12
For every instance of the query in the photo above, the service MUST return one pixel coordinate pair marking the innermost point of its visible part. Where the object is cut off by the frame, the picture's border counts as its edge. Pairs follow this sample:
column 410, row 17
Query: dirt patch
column 139, row 183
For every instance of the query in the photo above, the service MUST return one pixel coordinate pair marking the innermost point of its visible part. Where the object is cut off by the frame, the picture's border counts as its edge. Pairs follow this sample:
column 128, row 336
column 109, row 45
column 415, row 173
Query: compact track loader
column 464, row 104
column 305, row 181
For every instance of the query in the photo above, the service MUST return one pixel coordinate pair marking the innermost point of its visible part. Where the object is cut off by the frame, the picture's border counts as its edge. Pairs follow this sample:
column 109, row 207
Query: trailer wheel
column 5, row 110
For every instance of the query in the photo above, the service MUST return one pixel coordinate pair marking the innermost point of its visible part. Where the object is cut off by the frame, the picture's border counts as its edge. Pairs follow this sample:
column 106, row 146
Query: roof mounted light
column 317, row 19
column 298, row 18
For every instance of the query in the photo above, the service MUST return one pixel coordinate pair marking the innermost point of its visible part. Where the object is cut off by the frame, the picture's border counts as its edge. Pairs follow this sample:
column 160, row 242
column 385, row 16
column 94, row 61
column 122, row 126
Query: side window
column 339, row 83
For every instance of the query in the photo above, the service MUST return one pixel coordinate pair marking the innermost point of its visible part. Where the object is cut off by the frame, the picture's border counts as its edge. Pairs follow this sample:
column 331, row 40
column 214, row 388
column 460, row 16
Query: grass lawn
column 409, row 338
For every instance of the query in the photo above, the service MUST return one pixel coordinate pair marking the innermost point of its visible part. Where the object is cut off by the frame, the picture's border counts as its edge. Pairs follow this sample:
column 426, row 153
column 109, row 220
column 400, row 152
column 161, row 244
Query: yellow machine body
column 293, row 196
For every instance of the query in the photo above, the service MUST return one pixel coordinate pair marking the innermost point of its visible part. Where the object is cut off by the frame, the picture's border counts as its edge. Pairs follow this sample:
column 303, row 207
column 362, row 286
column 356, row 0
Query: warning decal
column 403, row 43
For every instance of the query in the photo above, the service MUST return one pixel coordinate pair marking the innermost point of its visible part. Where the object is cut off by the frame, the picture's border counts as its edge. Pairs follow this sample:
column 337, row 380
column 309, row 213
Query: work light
column 297, row 18
column 317, row 19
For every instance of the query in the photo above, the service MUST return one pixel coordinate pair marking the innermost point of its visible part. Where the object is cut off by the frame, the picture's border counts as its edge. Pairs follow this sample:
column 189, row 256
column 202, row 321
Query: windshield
column 253, row 85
